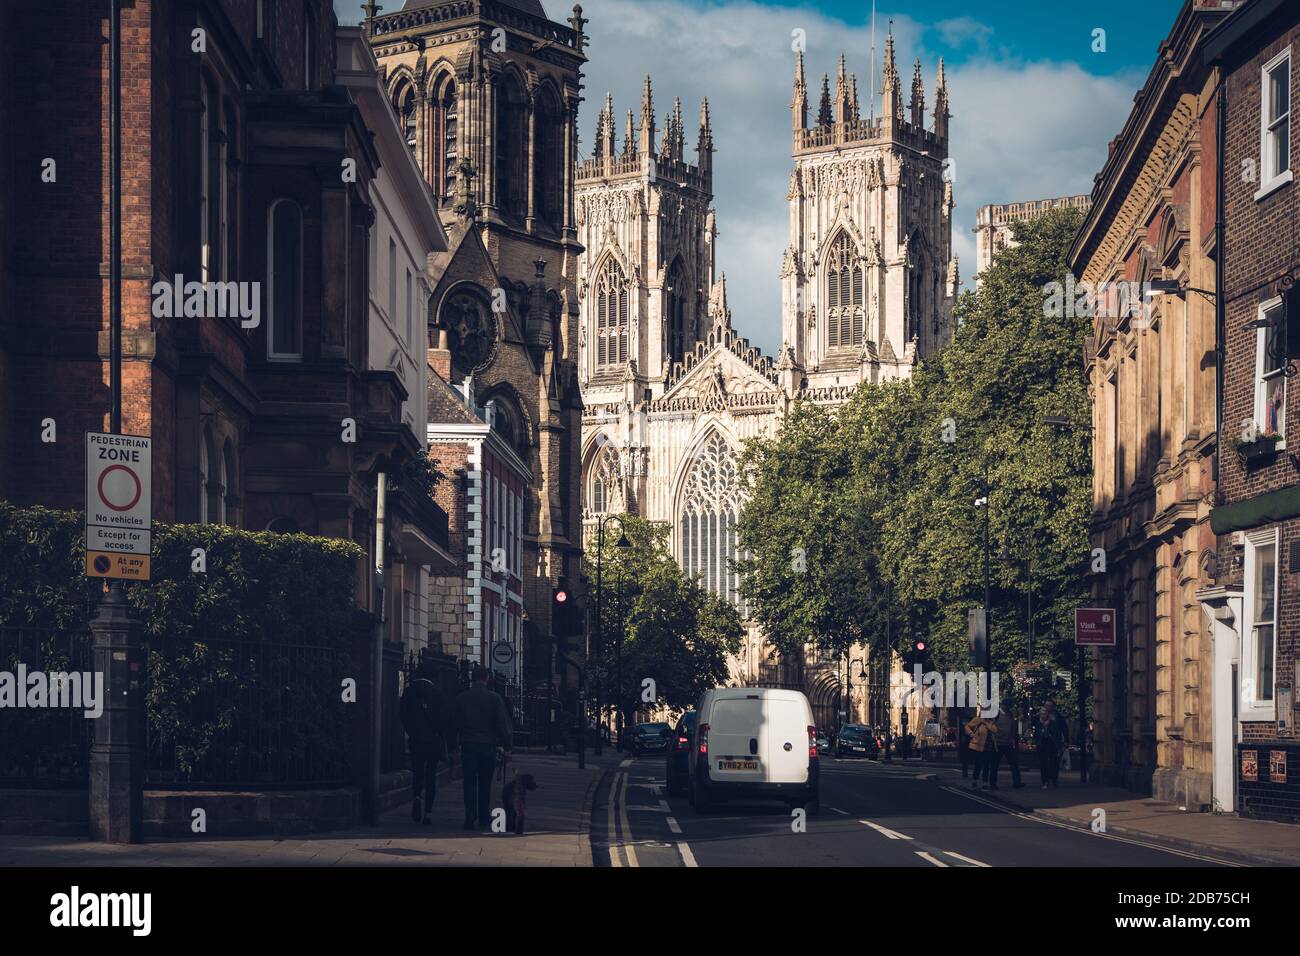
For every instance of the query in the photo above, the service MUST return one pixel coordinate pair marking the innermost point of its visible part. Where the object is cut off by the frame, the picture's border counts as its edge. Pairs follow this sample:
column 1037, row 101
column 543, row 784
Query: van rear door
column 735, row 739
column 786, row 739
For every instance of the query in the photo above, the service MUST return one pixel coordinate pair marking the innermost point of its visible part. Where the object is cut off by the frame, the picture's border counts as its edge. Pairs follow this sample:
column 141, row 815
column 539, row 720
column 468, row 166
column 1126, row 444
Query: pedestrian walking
column 482, row 726
column 424, row 718
column 1008, row 747
column 1051, row 744
column 964, row 751
column 983, row 744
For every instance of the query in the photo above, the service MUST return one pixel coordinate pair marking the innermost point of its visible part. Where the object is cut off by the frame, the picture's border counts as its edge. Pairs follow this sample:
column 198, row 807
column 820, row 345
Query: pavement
column 558, row 834
column 909, row 813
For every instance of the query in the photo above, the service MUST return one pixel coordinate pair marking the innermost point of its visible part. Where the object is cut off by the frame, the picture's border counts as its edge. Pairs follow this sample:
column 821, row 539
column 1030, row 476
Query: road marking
column 1033, row 818
column 892, row 834
column 673, row 825
column 965, row 859
column 627, row 827
column 609, row 821
column 839, row 811
column 687, row 856
column 625, row 764
column 930, row 859
column 663, row 805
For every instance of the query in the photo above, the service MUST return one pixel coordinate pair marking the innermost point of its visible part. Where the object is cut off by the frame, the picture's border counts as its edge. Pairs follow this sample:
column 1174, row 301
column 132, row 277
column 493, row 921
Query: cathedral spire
column 704, row 147
column 918, row 97
column 800, row 105
column 854, row 114
column 607, row 143
column 941, row 113
column 629, row 137
column 891, row 100
column 647, row 134
column 679, row 130
column 842, row 104
column 824, row 117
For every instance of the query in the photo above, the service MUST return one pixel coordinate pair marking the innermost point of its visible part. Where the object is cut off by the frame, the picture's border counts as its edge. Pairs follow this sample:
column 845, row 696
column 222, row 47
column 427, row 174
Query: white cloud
column 1020, row 130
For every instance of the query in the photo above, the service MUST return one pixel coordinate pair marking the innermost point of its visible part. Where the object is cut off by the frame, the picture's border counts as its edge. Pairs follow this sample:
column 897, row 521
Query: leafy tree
column 879, row 500
column 675, row 632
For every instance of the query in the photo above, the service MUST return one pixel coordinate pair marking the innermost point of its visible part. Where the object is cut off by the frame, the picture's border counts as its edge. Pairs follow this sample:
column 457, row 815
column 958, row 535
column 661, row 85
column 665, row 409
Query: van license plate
column 737, row 764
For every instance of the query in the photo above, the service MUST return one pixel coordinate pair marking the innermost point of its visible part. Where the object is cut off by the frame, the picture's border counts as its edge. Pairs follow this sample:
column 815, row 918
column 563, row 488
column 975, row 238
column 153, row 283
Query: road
column 873, row 814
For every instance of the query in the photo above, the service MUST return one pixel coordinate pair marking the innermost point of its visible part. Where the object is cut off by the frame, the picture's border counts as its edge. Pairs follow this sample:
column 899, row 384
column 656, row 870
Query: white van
column 754, row 742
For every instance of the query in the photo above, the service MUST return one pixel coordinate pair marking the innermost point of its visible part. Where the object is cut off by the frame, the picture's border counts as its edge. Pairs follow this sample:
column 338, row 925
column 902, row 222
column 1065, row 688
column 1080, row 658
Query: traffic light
column 922, row 655
column 914, row 655
column 561, row 612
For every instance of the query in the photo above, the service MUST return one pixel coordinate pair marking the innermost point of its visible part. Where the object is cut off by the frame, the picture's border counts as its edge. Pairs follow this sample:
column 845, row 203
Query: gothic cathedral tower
column 646, row 289
column 868, row 282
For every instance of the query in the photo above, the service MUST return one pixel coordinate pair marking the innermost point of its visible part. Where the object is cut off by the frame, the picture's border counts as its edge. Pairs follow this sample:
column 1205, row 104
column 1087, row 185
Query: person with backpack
column 984, row 747
column 423, row 719
column 482, row 727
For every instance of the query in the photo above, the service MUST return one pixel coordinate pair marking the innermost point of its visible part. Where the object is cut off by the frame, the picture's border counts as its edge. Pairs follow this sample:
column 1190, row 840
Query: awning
column 1253, row 512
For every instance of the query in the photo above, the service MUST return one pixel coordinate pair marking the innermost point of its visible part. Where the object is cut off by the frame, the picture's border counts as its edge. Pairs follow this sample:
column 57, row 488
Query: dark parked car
column 650, row 739
column 856, row 740
column 679, row 754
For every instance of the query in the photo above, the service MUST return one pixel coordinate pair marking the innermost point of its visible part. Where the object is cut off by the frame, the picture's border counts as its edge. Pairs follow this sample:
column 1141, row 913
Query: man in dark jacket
column 423, row 720
column 482, row 725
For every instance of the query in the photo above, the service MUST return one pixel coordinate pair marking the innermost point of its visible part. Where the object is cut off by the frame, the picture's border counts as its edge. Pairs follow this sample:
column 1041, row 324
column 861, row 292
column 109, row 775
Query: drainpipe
column 1219, row 254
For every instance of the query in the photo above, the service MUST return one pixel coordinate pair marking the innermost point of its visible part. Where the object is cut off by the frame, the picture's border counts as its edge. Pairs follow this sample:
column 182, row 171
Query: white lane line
column 965, row 859
column 627, row 827
column 673, row 825
column 1032, row 818
column 625, row 764
column 839, row 811
column 930, row 859
column 892, row 834
column 663, row 805
column 687, row 856
column 609, row 821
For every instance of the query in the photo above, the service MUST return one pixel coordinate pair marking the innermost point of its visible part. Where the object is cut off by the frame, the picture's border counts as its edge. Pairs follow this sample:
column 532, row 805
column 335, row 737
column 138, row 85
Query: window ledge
column 1274, row 184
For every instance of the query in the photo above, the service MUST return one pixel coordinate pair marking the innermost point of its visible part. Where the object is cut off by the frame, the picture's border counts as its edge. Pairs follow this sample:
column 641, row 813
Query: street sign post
column 977, row 635
column 119, row 506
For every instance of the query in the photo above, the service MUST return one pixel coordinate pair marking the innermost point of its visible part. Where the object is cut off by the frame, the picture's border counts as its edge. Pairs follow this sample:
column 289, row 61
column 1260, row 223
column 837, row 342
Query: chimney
column 440, row 357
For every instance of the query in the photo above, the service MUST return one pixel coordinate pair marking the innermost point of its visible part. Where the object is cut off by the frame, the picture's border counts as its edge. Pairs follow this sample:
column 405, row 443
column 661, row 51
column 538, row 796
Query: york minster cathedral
column 670, row 390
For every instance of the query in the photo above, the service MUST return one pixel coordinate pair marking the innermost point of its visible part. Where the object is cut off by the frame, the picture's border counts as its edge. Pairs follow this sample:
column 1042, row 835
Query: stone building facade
column 1255, row 600
column 1151, row 381
column 488, row 93
column 995, row 224
column 231, row 173
column 671, row 391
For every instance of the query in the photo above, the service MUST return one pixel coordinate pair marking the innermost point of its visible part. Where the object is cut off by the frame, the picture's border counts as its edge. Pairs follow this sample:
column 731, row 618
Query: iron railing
column 44, row 746
column 231, row 713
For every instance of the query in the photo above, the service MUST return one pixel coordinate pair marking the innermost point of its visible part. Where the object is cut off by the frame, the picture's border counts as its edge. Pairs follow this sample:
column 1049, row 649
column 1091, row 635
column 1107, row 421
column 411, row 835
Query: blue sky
column 1033, row 106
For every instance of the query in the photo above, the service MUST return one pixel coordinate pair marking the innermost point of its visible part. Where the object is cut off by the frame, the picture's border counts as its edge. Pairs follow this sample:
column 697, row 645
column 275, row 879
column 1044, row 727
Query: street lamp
column 623, row 545
column 600, row 623
column 1059, row 421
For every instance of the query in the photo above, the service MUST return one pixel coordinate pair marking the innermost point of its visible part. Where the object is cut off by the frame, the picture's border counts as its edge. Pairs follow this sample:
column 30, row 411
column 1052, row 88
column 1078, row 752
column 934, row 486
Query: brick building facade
column 236, row 142
column 1151, row 381
column 1256, row 603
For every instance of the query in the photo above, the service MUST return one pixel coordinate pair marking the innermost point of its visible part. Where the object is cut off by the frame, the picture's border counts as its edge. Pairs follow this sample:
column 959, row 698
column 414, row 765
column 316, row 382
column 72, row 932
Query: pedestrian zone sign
column 119, row 506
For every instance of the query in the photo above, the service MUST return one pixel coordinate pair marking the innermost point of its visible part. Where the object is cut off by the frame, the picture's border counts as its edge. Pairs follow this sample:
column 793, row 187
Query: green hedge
column 258, row 586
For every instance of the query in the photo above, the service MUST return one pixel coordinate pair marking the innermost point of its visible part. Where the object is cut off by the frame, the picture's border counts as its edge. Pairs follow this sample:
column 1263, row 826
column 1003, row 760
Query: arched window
column 707, row 518
column 444, row 148
column 917, row 304
column 606, row 482
column 845, row 316
column 213, row 164
column 611, row 316
column 676, row 296
column 404, row 104
column 548, row 169
column 284, row 280
column 511, row 147
column 229, row 482
column 205, row 475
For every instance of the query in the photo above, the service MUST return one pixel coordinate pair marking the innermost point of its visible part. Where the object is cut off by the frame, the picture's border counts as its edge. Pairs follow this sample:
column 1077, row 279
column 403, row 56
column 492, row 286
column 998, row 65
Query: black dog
column 514, row 797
